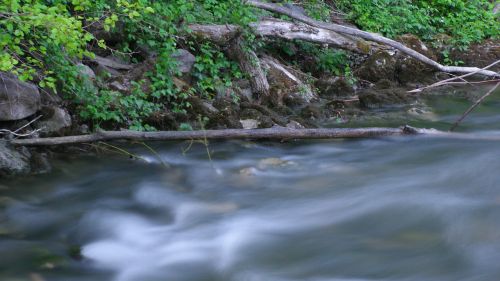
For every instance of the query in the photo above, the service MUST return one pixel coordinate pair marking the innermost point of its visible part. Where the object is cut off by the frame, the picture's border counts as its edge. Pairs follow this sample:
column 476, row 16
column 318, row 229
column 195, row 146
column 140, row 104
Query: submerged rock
column 13, row 162
column 373, row 98
column 274, row 162
column 18, row 99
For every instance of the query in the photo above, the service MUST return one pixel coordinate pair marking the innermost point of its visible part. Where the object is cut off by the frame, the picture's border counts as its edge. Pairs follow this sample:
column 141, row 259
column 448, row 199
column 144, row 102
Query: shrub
column 466, row 21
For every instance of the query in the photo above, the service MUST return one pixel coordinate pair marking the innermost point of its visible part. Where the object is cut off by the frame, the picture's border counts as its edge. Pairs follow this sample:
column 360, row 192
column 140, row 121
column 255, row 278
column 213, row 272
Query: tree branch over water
column 345, row 30
column 275, row 133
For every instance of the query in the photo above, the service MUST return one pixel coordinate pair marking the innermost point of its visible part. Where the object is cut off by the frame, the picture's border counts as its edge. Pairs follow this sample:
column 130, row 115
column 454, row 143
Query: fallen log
column 276, row 133
column 345, row 30
column 274, row 28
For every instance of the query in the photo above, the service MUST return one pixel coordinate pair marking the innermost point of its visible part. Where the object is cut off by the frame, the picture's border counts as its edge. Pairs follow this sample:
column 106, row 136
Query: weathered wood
column 250, row 65
column 473, row 106
column 274, row 28
column 461, row 78
column 278, row 133
column 345, row 30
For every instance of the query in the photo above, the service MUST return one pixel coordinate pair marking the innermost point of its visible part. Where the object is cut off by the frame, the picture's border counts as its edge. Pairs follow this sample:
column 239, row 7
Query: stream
column 407, row 208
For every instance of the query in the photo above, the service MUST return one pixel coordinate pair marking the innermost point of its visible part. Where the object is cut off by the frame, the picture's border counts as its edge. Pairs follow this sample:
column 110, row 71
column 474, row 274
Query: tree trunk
column 250, row 65
column 274, row 28
column 278, row 133
column 368, row 36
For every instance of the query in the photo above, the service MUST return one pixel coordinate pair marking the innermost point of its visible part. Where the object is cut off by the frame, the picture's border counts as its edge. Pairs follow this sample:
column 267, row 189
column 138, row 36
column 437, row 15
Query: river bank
column 301, row 93
column 378, row 86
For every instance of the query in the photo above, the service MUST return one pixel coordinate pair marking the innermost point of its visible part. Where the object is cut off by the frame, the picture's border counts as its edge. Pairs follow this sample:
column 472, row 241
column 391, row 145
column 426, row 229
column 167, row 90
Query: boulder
column 409, row 69
column 335, row 87
column 86, row 71
column 12, row 162
column 110, row 67
column 54, row 121
column 18, row 99
column 184, row 59
column 200, row 108
column 261, row 120
column 120, row 87
column 380, row 65
column 286, row 86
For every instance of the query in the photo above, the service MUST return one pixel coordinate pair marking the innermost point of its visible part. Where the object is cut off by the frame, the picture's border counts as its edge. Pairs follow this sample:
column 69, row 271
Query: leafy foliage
column 466, row 21
column 43, row 41
column 44, row 38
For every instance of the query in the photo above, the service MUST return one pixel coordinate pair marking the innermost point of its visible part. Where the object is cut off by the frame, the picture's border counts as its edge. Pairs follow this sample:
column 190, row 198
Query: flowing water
column 407, row 208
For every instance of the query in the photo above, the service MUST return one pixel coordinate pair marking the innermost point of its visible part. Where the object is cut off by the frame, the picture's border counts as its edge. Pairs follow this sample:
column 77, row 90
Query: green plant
column 332, row 61
column 448, row 61
column 317, row 9
column 112, row 106
column 212, row 69
column 467, row 21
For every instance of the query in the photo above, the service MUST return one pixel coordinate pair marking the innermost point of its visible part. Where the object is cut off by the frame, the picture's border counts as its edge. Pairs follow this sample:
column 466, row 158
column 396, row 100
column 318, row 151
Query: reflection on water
column 380, row 209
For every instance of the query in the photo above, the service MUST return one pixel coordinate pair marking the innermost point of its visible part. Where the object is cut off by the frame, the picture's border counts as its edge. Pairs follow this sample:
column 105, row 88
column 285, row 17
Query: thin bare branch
column 446, row 81
column 472, row 107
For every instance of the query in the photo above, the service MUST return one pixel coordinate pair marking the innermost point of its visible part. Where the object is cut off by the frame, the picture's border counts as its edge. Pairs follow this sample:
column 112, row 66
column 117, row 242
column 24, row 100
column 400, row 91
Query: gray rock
column 287, row 87
column 381, row 65
column 85, row 70
column 185, row 60
column 54, row 120
column 18, row 99
column 117, row 86
column 243, row 89
column 335, row 87
column 248, row 124
column 12, row 162
column 262, row 120
column 39, row 163
column 294, row 125
column 112, row 62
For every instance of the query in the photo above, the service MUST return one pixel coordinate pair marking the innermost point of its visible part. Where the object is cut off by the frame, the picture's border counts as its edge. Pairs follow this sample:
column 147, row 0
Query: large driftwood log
column 345, row 30
column 278, row 133
column 275, row 133
column 274, row 28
